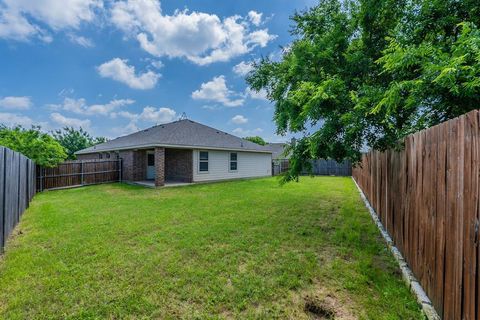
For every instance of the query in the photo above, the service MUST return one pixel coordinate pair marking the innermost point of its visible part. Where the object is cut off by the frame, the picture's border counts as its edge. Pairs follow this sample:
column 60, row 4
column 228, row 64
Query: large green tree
column 365, row 73
column 256, row 139
column 34, row 144
column 74, row 140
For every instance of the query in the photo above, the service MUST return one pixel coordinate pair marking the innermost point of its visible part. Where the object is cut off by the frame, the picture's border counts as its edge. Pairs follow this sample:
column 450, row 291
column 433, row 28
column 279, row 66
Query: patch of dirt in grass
column 319, row 309
column 326, row 306
column 318, row 303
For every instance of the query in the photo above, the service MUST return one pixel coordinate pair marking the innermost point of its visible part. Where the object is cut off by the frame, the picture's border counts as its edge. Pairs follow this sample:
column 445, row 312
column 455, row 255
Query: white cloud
column 217, row 90
column 131, row 127
column 69, row 122
column 81, row 41
column 157, row 64
column 243, row 68
column 151, row 114
column 80, row 106
column 211, row 107
column 255, row 17
column 200, row 37
column 245, row 133
column 239, row 119
column 260, row 95
column 118, row 69
column 11, row 119
column 19, row 18
column 19, row 103
column 148, row 114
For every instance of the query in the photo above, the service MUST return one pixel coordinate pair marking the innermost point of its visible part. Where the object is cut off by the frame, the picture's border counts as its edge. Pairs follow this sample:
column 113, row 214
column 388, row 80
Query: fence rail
column 17, row 188
column 79, row 173
column 427, row 197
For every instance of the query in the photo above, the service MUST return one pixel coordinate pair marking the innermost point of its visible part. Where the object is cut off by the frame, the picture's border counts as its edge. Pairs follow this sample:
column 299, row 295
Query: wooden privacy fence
column 280, row 166
column 328, row 167
column 79, row 173
column 320, row 167
column 427, row 197
column 17, row 188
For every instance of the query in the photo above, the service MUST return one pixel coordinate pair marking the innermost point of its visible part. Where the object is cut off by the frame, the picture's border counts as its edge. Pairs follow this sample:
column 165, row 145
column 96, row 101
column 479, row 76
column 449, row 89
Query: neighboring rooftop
column 277, row 150
column 181, row 133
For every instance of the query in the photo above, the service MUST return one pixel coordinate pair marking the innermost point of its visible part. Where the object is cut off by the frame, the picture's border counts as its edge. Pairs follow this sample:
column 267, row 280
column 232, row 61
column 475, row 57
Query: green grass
column 245, row 249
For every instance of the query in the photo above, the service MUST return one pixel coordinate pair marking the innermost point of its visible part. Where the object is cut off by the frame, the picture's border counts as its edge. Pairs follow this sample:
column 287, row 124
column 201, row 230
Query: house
column 183, row 151
column 278, row 150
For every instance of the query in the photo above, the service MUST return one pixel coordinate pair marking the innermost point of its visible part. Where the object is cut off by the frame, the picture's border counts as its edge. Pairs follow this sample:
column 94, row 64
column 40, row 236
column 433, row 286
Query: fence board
column 427, row 197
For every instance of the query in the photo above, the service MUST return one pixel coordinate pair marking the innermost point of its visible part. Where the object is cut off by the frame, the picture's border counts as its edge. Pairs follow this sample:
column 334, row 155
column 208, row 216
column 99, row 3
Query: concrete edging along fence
column 407, row 274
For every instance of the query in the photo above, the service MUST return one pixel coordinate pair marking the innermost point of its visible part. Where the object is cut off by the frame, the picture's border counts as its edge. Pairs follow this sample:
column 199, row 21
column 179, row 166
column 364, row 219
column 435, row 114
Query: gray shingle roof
column 277, row 150
column 182, row 133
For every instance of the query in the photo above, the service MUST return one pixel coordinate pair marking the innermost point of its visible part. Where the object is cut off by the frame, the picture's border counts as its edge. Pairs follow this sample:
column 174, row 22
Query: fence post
column 81, row 173
column 120, row 170
column 41, row 178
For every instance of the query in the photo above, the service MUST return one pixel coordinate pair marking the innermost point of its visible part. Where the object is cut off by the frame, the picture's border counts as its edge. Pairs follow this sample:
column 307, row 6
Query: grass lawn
column 245, row 249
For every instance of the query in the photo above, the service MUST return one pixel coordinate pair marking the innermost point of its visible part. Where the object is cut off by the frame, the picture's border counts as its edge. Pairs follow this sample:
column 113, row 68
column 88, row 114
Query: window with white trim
column 233, row 161
column 203, row 161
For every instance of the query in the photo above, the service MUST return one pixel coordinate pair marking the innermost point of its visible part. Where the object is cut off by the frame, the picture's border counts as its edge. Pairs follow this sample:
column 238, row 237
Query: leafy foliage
column 74, row 140
column 367, row 73
column 34, row 144
column 256, row 139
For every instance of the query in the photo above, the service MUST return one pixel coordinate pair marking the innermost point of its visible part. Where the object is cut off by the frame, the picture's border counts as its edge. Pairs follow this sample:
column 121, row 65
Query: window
column 100, row 156
column 108, row 155
column 233, row 161
column 203, row 163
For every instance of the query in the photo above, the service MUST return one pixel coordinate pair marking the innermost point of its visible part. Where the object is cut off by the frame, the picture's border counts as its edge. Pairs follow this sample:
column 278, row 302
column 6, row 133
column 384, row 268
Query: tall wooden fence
column 79, row 173
column 17, row 188
column 427, row 197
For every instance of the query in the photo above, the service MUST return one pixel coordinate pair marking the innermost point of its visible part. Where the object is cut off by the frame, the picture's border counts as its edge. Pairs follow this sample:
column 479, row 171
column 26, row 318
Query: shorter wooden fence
column 17, row 188
column 322, row 167
column 280, row 166
column 79, row 173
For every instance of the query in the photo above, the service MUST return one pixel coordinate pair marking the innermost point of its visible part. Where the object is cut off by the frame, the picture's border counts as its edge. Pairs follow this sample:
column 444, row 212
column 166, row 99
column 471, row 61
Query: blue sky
column 114, row 67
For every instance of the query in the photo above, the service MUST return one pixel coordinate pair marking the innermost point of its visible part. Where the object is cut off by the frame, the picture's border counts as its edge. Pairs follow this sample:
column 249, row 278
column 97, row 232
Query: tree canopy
column 366, row 73
column 74, row 140
column 34, row 144
column 256, row 139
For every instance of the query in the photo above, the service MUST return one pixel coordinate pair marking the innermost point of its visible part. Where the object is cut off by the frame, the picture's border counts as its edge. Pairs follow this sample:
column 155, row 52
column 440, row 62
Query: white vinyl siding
column 249, row 165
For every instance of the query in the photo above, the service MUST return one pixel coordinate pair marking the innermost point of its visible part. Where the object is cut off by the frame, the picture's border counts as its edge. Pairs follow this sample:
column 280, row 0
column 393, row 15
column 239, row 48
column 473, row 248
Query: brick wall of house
column 159, row 167
column 134, row 165
column 139, row 165
column 179, row 165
